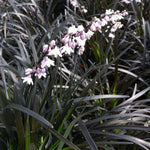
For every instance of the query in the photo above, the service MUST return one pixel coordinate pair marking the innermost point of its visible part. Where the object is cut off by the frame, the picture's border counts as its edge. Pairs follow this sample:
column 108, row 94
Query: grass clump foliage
column 97, row 100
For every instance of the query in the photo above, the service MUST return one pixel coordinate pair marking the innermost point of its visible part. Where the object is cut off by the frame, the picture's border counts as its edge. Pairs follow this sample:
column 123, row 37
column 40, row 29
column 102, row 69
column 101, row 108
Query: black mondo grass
column 95, row 101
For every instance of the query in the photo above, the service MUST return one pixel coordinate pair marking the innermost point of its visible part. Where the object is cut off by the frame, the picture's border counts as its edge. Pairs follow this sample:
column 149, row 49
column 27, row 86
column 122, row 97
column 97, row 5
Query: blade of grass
column 134, row 97
column 68, row 130
column 88, row 98
column 142, row 143
column 87, row 136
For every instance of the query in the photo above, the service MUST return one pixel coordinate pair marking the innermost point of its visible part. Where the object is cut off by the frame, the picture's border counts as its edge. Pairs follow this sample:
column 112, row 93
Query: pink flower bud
column 28, row 71
column 65, row 39
column 93, row 28
column 81, row 50
column 52, row 43
column 45, row 48
column 83, row 36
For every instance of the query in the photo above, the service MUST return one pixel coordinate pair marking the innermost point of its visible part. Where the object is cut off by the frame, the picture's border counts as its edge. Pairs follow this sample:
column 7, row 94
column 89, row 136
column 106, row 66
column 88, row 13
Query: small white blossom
column 107, row 18
column 65, row 39
column 89, row 34
column 104, row 22
column 84, row 10
column 55, row 52
column 46, row 62
column 109, row 12
column 72, row 44
column 83, row 35
column 111, row 35
column 115, row 18
column 67, row 50
column 93, row 27
column 98, row 26
column 28, row 71
column 52, row 43
column 27, row 80
column 40, row 72
column 72, row 30
column 124, row 13
column 81, row 50
column 80, row 28
column 74, row 3
column 82, row 42
column 45, row 48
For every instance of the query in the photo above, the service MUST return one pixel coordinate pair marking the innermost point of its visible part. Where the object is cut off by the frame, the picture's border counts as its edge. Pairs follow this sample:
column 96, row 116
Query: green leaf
column 69, row 128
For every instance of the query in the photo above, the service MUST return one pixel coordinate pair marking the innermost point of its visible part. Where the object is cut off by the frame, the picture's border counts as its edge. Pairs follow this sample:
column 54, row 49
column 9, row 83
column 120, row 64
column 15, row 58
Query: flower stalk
column 74, row 41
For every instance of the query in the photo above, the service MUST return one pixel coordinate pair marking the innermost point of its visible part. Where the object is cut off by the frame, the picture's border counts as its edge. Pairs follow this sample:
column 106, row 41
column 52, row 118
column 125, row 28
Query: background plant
column 99, row 100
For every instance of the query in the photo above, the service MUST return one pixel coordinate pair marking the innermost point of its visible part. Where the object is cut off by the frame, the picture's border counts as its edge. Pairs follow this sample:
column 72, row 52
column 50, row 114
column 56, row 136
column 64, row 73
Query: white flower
column 72, row 44
column 45, row 48
column 109, row 12
column 80, row 28
column 46, row 62
column 27, row 79
column 83, row 35
column 113, row 29
column 111, row 35
column 74, row 3
column 65, row 39
column 93, row 27
column 98, row 26
column 116, row 17
column 40, row 72
column 107, row 18
column 81, row 50
column 116, row 26
column 89, row 34
column 124, row 13
column 96, row 19
column 28, row 71
column 72, row 30
column 52, row 43
column 84, row 10
column 55, row 52
column 81, row 42
column 103, row 22
column 67, row 49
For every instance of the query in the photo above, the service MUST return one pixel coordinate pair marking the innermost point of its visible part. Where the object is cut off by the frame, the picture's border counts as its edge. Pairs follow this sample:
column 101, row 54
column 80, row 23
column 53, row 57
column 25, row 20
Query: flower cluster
column 111, row 19
column 73, row 40
column 76, row 4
